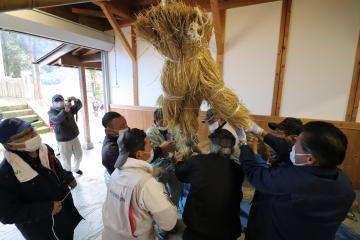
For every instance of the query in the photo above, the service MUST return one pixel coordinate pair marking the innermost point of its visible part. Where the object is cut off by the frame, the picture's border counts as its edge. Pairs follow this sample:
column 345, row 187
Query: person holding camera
column 61, row 114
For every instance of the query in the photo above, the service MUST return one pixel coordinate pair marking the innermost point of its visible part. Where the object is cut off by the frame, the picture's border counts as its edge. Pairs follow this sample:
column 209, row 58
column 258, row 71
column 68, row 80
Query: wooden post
column 281, row 57
column 135, row 67
column 116, row 27
column 219, row 26
column 87, row 138
column 354, row 97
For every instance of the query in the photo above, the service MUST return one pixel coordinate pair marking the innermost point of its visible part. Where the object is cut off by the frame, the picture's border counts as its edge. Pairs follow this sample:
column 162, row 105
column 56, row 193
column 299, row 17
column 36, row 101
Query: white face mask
column 162, row 128
column 58, row 104
column 32, row 144
column 293, row 155
column 151, row 156
column 213, row 126
column 123, row 130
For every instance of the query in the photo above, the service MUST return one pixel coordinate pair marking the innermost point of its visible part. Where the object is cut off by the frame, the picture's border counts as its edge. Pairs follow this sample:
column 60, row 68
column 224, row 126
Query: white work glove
column 256, row 129
column 241, row 135
column 157, row 171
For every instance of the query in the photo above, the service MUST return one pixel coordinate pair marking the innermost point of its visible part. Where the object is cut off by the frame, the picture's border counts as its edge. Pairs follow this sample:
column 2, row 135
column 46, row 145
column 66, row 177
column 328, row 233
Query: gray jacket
column 65, row 126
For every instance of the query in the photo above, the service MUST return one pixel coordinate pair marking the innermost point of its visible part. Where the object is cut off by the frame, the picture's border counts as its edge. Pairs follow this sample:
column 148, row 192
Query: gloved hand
column 241, row 135
column 157, row 171
column 168, row 146
column 256, row 129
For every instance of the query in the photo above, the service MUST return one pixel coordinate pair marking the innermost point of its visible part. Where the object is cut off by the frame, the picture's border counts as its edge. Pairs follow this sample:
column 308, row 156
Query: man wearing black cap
column 61, row 114
column 212, row 210
column 215, row 122
column 34, row 188
column 286, row 133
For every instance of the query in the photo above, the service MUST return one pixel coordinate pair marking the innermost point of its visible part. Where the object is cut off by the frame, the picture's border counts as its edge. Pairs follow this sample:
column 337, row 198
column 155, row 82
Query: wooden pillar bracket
column 117, row 29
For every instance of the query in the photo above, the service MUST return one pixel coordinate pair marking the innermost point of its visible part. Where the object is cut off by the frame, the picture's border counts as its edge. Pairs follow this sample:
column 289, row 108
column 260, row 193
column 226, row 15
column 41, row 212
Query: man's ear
column 311, row 160
column 292, row 138
column 138, row 155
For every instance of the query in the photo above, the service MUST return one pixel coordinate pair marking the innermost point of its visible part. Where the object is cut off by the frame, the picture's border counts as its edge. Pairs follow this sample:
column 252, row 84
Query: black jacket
column 212, row 210
column 65, row 126
column 28, row 205
column 298, row 203
column 109, row 153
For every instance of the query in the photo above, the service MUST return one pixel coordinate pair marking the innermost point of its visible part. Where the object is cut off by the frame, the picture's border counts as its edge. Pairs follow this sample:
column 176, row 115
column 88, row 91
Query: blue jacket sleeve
column 281, row 147
column 57, row 118
column 275, row 180
column 77, row 106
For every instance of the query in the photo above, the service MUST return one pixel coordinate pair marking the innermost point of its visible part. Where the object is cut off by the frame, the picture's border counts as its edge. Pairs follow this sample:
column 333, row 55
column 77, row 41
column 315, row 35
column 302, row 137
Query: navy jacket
column 28, row 205
column 109, row 153
column 302, row 202
column 212, row 209
column 65, row 125
column 281, row 147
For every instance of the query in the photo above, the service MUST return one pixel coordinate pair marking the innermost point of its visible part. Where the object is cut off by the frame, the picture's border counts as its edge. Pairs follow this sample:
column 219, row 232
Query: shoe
column 79, row 172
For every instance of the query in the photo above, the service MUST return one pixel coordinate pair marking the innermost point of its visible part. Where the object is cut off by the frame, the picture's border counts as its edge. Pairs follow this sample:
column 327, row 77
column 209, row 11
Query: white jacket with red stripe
column 135, row 202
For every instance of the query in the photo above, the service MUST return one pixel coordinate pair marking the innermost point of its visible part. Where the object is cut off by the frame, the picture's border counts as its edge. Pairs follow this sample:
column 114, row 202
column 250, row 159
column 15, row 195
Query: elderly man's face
column 18, row 141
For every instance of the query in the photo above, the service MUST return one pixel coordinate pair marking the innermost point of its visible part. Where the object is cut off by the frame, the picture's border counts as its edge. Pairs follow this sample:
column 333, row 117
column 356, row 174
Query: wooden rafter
column 117, row 29
column 354, row 97
column 118, row 9
column 88, row 12
column 91, row 58
column 281, row 57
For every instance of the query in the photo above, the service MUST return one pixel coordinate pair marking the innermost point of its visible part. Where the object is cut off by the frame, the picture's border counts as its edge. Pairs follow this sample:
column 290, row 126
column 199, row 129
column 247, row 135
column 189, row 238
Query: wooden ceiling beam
column 118, row 9
column 91, row 58
column 117, row 29
column 91, row 51
column 88, row 12
column 69, row 60
column 66, row 13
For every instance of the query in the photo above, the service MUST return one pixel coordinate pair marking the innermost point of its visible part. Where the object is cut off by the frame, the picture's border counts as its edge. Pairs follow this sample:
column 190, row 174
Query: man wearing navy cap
column 34, row 188
column 61, row 114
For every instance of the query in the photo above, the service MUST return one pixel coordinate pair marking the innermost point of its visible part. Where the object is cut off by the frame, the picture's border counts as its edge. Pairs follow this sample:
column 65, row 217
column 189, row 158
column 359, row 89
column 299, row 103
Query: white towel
column 22, row 170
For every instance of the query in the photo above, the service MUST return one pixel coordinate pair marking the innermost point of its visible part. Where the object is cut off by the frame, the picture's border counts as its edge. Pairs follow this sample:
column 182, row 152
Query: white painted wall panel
column 251, row 43
column 320, row 58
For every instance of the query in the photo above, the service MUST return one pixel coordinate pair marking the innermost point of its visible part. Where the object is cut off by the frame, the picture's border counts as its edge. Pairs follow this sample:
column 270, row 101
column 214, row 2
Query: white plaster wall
column 150, row 64
column 320, row 58
column 121, row 74
column 251, row 43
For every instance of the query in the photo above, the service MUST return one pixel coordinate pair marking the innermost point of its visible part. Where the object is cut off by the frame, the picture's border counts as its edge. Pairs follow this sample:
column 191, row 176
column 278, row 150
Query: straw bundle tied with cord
column 181, row 34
